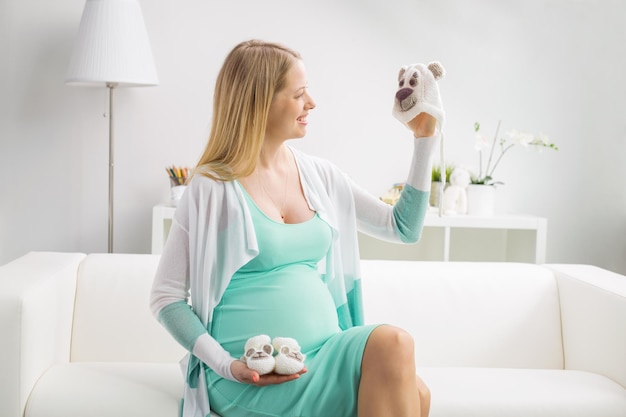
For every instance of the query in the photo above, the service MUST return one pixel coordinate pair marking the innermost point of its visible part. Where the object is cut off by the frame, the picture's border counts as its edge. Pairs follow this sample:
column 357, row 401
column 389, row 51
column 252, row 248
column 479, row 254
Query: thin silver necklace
column 281, row 207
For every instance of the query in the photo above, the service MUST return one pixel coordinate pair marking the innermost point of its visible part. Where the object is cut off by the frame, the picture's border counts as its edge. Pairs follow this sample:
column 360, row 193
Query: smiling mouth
column 302, row 119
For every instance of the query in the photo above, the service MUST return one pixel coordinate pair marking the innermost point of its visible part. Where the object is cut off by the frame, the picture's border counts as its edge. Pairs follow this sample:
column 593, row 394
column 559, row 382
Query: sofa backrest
column 473, row 314
column 459, row 313
column 112, row 319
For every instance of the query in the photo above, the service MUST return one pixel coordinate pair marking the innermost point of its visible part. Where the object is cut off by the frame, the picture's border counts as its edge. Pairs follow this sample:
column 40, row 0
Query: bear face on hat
column 418, row 92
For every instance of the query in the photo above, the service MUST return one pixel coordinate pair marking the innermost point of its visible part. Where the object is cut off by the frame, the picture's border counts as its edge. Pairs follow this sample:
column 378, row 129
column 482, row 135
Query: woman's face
column 290, row 107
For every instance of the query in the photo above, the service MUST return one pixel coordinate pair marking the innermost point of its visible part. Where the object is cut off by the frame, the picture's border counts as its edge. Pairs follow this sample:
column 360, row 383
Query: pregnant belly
column 288, row 302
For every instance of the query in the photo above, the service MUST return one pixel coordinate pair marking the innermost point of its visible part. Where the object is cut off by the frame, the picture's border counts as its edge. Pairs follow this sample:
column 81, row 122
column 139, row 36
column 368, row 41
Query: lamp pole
column 111, row 87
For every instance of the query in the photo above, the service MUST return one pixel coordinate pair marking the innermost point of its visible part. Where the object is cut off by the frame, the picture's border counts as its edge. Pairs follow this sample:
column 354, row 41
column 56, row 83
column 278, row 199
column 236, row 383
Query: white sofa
column 492, row 339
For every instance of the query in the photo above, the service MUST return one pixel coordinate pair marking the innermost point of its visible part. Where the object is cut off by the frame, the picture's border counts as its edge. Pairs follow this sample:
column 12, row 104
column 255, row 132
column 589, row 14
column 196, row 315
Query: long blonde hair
column 250, row 76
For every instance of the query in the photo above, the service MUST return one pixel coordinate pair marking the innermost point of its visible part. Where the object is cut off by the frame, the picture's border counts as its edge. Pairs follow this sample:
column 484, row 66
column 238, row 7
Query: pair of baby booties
column 259, row 351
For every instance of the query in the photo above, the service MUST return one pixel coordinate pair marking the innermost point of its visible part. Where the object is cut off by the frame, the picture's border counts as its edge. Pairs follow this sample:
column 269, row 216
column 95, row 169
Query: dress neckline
column 254, row 205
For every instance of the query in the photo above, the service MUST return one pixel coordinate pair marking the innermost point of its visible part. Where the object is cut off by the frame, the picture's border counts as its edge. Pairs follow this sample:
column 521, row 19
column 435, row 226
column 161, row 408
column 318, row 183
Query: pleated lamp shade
column 112, row 46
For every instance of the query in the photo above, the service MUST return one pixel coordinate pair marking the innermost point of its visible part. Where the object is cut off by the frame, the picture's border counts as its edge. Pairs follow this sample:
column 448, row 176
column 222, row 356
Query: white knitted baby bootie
column 289, row 359
column 258, row 354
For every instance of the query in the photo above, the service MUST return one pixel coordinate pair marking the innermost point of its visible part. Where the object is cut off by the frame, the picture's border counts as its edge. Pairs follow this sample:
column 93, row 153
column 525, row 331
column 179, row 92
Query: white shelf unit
column 504, row 237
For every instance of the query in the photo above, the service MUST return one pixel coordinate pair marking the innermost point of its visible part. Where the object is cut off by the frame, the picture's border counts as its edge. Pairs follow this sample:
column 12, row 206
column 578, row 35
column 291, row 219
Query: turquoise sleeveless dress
column 280, row 293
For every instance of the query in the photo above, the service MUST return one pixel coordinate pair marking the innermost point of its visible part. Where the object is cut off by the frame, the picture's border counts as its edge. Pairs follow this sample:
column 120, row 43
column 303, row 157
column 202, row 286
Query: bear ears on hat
column 434, row 67
column 437, row 69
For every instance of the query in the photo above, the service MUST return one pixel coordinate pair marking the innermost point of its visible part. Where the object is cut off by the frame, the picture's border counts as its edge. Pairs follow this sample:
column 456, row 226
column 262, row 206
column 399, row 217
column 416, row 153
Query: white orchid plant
column 513, row 138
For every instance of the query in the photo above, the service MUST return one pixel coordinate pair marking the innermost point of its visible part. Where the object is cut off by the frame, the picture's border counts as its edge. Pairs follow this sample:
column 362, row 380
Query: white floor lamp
column 112, row 50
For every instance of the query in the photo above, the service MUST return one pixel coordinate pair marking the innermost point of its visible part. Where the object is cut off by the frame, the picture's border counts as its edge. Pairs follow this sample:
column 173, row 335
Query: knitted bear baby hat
column 418, row 92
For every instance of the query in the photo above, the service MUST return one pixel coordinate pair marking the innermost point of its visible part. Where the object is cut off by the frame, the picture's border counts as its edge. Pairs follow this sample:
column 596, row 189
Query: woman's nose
column 310, row 103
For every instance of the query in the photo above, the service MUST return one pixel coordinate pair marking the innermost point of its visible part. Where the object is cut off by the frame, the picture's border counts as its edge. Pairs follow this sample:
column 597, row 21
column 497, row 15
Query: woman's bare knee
column 392, row 339
column 389, row 350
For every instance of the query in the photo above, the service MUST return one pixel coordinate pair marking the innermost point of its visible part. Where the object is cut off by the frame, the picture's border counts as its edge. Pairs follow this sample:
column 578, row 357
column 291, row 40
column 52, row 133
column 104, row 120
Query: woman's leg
column 389, row 386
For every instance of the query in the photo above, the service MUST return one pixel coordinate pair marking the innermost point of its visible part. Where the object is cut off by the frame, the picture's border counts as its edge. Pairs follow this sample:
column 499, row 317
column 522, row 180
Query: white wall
column 555, row 66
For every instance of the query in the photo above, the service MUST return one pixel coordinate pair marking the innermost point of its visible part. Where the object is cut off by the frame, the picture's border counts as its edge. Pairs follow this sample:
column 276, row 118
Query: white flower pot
column 481, row 200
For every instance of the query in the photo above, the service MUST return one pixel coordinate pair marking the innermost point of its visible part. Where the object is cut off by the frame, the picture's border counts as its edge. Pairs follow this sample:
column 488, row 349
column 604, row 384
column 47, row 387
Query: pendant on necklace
column 280, row 207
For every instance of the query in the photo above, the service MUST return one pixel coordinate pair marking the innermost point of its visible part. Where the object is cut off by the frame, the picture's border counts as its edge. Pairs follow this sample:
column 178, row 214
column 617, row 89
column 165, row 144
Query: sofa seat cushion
column 154, row 390
column 102, row 389
column 487, row 392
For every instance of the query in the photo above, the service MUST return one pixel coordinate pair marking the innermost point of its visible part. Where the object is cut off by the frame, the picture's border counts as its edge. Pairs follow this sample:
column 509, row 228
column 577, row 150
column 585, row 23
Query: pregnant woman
column 264, row 241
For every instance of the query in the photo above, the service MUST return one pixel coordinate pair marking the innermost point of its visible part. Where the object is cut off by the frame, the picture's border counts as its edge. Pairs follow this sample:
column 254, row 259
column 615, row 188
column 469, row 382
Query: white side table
column 502, row 237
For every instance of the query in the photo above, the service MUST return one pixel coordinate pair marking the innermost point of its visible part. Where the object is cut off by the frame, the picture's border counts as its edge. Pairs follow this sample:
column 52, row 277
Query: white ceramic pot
column 481, row 200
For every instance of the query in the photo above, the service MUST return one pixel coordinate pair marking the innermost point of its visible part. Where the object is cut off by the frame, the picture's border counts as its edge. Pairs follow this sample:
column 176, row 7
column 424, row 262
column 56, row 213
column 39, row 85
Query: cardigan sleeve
column 403, row 222
column 171, row 281
column 170, row 294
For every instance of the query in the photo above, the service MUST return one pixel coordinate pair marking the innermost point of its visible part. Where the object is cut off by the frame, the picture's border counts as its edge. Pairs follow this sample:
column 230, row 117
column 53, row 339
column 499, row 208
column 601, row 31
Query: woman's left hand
column 273, row 378
column 243, row 374
column 423, row 125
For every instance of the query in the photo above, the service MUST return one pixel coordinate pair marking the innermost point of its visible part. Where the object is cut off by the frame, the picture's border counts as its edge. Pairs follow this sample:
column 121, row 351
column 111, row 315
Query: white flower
column 542, row 140
column 521, row 138
column 513, row 137
column 481, row 142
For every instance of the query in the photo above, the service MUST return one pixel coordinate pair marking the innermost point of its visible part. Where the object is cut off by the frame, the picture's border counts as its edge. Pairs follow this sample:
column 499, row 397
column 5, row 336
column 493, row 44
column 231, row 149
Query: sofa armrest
column 593, row 315
column 36, row 309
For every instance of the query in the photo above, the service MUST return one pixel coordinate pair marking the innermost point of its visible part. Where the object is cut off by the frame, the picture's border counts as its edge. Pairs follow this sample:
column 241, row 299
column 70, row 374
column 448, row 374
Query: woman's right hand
column 246, row 375
column 423, row 125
